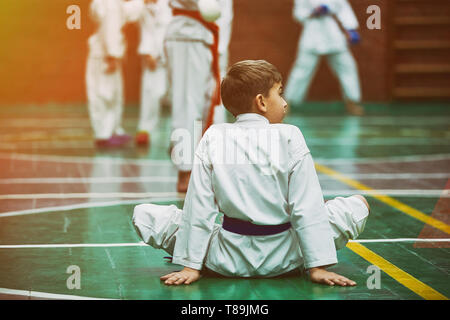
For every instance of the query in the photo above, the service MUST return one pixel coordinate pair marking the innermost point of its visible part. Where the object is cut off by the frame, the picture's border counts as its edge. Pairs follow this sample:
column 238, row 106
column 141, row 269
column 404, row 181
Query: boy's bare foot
column 320, row 275
column 185, row 276
column 354, row 108
column 183, row 180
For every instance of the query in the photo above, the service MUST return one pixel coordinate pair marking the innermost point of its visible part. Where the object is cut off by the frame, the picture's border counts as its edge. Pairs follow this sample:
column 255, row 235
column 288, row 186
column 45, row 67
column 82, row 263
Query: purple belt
column 249, row 229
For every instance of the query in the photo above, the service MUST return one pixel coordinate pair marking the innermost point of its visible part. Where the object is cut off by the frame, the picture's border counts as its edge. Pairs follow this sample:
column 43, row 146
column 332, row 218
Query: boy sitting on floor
column 260, row 175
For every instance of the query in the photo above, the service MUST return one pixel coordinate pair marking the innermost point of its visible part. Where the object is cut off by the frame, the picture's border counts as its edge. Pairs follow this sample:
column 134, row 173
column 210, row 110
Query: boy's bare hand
column 150, row 62
column 185, row 276
column 112, row 64
column 320, row 275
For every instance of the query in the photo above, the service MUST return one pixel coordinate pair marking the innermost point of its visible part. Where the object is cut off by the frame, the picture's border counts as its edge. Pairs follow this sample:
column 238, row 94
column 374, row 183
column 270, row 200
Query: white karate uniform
column 153, row 23
column 225, row 23
column 105, row 90
column 322, row 37
column 192, row 81
column 262, row 173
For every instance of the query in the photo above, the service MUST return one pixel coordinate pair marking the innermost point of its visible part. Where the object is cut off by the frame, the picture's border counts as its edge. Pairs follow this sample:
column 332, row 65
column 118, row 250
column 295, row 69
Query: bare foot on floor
column 354, row 108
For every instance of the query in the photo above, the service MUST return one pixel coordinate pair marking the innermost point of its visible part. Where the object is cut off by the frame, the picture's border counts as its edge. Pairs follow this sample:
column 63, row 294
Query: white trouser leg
column 105, row 98
column 301, row 75
column 118, row 106
column 157, row 225
column 220, row 113
column 344, row 66
column 347, row 218
column 153, row 88
column 189, row 66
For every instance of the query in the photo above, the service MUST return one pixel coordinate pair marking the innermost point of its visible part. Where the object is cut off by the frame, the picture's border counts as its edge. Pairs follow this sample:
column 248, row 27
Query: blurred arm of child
column 153, row 23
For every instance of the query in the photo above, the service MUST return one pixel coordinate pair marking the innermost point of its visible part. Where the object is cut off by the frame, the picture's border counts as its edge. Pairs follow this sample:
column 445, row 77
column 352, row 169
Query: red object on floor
column 142, row 138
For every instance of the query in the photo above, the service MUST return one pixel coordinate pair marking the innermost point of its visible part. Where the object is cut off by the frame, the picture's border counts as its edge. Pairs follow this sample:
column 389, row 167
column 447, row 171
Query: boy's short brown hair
column 244, row 81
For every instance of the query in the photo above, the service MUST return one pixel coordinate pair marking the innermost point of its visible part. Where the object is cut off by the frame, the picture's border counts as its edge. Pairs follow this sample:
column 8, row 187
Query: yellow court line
column 386, row 199
column 396, row 273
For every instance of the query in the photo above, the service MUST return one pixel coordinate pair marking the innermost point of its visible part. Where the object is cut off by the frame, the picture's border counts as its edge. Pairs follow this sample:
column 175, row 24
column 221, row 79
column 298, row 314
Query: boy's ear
column 260, row 104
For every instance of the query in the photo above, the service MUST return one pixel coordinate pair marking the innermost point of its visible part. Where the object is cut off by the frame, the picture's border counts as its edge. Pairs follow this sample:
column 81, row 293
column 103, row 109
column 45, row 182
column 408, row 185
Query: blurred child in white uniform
column 104, row 68
column 191, row 45
column 153, row 24
column 225, row 23
column 322, row 36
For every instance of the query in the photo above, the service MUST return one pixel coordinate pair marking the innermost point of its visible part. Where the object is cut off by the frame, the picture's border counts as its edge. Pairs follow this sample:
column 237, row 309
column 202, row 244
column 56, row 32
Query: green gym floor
column 63, row 203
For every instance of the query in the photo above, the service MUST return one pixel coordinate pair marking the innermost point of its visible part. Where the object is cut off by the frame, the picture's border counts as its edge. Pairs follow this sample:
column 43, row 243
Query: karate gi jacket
column 111, row 16
column 322, row 35
column 153, row 24
column 262, row 173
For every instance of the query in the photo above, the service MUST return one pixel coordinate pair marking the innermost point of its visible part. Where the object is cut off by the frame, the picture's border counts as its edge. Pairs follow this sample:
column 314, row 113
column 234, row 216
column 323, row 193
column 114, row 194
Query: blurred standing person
column 225, row 23
column 191, row 45
column 104, row 69
column 328, row 27
column 153, row 24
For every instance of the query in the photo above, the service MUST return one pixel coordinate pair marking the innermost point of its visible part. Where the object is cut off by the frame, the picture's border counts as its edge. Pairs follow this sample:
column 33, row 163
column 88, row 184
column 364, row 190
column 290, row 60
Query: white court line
column 86, row 205
column 69, row 144
column 422, row 193
column 327, row 120
column 89, row 160
column 409, row 158
column 143, row 244
column 46, row 295
column 389, row 176
column 367, row 142
column 373, row 120
column 57, row 123
column 74, row 245
column 114, row 195
column 69, row 180
column 89, row 195
column 350, row 141
column 400, row 240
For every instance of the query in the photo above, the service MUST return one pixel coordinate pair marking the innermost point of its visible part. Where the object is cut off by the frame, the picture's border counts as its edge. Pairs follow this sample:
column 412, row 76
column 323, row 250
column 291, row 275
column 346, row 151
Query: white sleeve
column 153, row 30
column 308, row 213
column 133, row 10
column 199, row 214
column 146, row 35
column 302, row 10
column 111, row 29
column 225, row 23
column 346, row 15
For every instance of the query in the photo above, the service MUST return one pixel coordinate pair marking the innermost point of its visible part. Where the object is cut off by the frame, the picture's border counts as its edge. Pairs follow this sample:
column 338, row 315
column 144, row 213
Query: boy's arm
column 308, row 213
column 199, row 214
column 111, row 29
column 309, row 217
column 152, row 31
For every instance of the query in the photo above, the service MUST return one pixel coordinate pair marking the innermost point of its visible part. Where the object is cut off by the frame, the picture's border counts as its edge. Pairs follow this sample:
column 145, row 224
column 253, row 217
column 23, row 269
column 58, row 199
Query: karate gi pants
column 341, row 63
column 153, row 88
column 192, row 85
column 105, row 98
column 220, row 112
column 157, row 225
